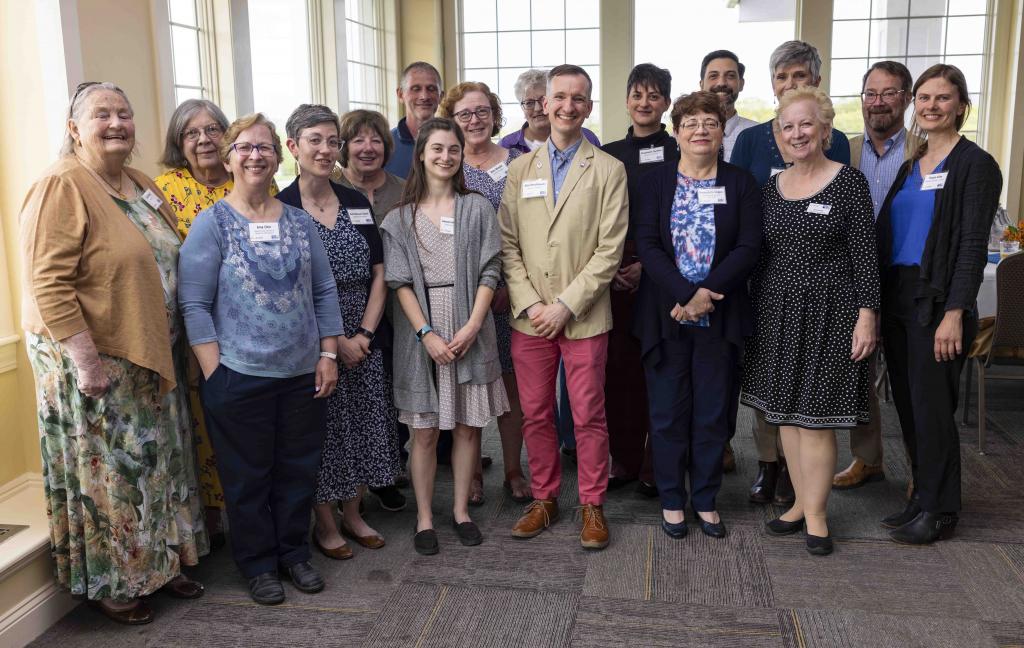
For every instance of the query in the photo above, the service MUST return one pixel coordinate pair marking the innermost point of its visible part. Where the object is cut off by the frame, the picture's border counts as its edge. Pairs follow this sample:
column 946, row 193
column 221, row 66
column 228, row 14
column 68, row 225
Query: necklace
column 487, row 156
column 120, row 182
column 320, row 206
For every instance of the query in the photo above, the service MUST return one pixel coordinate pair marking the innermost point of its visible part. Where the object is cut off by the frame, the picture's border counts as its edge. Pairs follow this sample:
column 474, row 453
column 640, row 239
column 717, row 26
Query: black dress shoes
column 674, row 530
column 763, row 489
column 425, row 542
column 712, row 529
column 646, row 489
column 897, row 520
column 305, row 577
column 469, row 534
column 784, row 494
column 780, row 527
column 615, row 483
column 266, row 589
column 819, row 546
column 926, row 528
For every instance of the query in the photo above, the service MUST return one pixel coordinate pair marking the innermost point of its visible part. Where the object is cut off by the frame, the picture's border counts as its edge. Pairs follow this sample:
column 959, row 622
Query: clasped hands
column 549, row 319
column 447, row 352
column 699, row 305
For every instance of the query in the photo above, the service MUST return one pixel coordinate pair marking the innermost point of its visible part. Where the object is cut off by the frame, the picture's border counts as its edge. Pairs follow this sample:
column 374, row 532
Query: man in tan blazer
column 563, row 220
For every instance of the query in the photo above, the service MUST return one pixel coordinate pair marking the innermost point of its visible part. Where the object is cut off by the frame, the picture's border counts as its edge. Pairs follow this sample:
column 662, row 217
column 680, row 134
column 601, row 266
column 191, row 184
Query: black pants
column 925, row 391
column 690, row 394
column 268, row 434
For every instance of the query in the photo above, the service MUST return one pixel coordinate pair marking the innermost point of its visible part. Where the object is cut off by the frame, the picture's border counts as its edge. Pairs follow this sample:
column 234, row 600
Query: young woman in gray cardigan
column 441, row 249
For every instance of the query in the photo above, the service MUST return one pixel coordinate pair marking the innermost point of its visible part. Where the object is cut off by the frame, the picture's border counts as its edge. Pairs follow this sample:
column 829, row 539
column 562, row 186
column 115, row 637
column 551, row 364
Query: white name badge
column 447, row 225
column 776, row 171
column 652, row 154
column 264, row 232
column 711, row 195
column 934, row 181
column 152, row 199
column 535, row 188
column 816, row 208
column 498, row 171
column 360, row 216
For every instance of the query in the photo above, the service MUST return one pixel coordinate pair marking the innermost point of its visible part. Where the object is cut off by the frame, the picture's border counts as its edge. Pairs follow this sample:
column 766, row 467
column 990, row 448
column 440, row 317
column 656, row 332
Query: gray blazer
column 477, row 263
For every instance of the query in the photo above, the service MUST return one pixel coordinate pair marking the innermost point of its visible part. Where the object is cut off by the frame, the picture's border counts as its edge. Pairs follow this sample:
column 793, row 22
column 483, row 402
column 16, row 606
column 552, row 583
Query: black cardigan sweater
column 956, row 250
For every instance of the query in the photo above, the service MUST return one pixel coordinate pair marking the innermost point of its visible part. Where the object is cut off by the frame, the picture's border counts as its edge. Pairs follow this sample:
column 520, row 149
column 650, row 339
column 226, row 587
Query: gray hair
column 796, row 52
column 422, row 66
column 76, row 109
column 173, row 157
column 529, row 79
column 308, row 116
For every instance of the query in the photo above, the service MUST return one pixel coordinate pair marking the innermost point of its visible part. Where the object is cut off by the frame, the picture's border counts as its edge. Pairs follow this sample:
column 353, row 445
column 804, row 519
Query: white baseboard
column 34, row 615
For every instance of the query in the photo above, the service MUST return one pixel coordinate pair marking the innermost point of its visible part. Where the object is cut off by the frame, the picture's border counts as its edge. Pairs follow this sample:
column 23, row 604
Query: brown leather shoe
column 594, row 534
column 183, row 587
column 728, row 459
column 141, row 614
column 539, row 515
column 343, row 552
column 856, row 475
column 370, row 541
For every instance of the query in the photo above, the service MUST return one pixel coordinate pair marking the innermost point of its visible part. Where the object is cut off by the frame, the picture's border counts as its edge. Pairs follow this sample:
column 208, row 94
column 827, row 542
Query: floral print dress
column 693, row 233
column 119, row 470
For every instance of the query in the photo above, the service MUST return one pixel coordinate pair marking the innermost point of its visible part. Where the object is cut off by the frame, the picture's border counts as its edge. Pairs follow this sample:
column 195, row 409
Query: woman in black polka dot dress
column 815, row 294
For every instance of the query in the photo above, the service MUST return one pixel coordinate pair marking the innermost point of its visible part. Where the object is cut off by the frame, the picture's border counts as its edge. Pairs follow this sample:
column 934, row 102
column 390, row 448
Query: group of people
column 206, row 341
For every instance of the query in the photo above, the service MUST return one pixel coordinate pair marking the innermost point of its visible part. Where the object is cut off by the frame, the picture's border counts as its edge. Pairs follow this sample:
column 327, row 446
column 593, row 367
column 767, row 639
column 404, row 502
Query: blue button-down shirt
column 881, row 170
column 561, row 161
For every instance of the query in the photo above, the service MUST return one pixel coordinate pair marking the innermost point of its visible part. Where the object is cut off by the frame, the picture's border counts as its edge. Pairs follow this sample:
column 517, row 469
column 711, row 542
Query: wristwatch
column 367, row 333
column 423, row 331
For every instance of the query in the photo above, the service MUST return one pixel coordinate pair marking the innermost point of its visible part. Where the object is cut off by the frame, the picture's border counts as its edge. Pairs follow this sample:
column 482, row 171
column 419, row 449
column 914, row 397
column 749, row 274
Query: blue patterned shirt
column 881, row 170
column 693, row 233
column 561, row 161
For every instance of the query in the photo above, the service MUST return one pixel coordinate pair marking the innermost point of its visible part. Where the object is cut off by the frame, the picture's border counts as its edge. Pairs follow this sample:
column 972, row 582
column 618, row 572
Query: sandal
column 518, row 499
column 476, row 497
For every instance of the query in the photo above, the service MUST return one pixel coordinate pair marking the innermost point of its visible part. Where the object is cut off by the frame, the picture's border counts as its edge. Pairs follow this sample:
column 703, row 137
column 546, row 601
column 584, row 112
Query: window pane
column 480, row 50
column 181, row 94
column 364, row 83
column 889, row 8
column 888, row 38
column 513, row 116
column 183, row 12
column 582, row 13
column 918, row 64
column 595, row 78
column 850, row 38
column 484, row 75
column 845, row 9
column 965, row 35
column 925, row 36
column 185, row 45
column 479, row 15
column 547, row 14
column 507, row 83
column 514, row 48
column 964, row 7
column 849, row 117
column 594, row 121
column 971, row 123
column 512, row 14
column 583, row 46
column 971, row 66
column 846, row 76
column 548, row 48
column 927, row 7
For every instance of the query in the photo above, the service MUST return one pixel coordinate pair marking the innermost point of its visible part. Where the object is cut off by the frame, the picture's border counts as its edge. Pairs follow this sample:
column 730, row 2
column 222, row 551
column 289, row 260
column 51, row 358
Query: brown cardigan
column 87, row 268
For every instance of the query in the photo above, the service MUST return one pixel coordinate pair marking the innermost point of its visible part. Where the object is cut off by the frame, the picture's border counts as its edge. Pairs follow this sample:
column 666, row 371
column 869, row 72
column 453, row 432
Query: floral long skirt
column 119, row 476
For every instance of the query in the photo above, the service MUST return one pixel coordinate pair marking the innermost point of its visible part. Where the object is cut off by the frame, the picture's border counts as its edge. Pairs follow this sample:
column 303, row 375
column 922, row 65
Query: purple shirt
column 517, row 140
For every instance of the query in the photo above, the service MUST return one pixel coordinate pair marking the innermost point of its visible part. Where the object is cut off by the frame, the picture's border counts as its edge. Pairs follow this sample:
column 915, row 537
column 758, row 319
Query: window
column 750, row 30
column 501, row 39
column 364, row 31
column 186, row 51
column 917, row 33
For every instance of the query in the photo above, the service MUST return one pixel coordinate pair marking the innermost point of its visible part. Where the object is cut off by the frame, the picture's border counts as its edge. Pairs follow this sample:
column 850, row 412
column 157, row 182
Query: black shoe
column 674, row 530
column 391, row 499
column 926, row 528
column 469, row 534
column 784, row 495
column 819, row 546
column 486, row 461
column 217, row 540
column 425, row 542
column 570, row 454
column 897, row 520
column 615, row 483
column 712, row 529
column 763, row 489
column 305, row 577
column 646, row 489
column 780, row 527
column 266, row 589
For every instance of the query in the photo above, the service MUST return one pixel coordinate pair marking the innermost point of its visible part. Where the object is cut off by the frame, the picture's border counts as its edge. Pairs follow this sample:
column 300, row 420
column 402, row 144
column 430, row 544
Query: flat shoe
column 469, row 534
column 266, row 589
column 141, row 614
column 183, row 588
column 711, row 529
column 370, row 541
column 819, row 546
column 674, row 530
column 425, row 542
column 780, row 527
column 338, row 553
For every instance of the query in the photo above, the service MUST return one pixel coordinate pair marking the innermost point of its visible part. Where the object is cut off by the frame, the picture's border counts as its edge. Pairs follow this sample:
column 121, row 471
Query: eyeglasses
column 245, row 149
column 316, row 142
column 532, row 104
column 888, row 96
column 213, row 131
column 694, row 124
column 466, row 116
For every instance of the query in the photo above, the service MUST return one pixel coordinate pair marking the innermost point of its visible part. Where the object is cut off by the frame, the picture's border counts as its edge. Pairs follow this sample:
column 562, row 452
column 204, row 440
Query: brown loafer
column 141, row 614
column 856, row 475
column 182, row 587
column 728, row 459
column 370, row 541
column 594, row 534
column 338, row 553
column 538, row 516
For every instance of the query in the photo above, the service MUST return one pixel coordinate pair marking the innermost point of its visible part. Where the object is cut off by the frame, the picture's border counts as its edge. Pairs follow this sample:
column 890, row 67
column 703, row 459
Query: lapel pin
column 539, row 165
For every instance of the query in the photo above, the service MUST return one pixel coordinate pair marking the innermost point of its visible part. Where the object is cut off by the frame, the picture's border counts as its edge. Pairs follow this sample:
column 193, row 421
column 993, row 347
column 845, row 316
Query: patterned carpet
column 646, row 589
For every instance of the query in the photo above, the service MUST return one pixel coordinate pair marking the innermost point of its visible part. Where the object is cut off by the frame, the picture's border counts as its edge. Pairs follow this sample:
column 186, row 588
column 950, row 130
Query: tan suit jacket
column 569, row 251
column 910, row 144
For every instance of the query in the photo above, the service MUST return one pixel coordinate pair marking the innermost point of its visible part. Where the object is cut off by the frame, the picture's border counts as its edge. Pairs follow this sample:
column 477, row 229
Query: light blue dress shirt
column 561, row 161
column 881, row 170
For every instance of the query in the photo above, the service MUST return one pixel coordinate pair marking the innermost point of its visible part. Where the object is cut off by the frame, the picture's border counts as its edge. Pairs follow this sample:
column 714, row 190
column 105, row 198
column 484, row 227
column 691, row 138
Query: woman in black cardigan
column 698, row 235
column 932, row 236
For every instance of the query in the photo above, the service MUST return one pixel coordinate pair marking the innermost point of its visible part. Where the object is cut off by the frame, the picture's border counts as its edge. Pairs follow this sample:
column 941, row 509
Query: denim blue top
column 560, row 163
column 912, row 211
column 755, row 150
column 881, row 170
column 267, row 304
column 693, row 233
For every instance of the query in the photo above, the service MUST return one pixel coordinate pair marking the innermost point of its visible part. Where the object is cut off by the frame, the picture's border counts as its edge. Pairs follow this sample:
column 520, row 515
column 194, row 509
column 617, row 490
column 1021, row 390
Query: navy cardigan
column 737, row 246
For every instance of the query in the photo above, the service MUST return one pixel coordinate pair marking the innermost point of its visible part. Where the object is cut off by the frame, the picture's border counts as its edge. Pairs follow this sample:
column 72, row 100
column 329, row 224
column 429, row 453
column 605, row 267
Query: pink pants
column 536, row 364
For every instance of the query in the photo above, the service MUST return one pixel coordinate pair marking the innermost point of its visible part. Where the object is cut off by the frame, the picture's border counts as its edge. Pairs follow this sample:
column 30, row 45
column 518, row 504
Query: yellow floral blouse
column 188, row 196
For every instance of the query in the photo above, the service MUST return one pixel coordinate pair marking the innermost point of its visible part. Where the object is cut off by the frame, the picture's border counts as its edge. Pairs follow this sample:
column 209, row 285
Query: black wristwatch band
column 367, row 333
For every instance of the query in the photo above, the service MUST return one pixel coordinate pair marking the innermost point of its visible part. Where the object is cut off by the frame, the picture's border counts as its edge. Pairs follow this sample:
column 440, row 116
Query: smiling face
column 801, row 131
column 699, row 135
column 365, row 151
column 646, row 106
column 791, row 76
column 256, row 168
column 568, row 104
column 316, row 149
column 535, row 115
column 937, row 105
column 106, row 128
column 880, row 115
column 442, row 155
column 476, row 131
column 420, row 92
column 202, row 153
column 722, row 76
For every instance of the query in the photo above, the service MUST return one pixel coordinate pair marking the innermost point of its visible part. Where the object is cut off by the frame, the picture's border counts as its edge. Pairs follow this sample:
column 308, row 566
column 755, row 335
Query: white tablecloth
column 987, row 293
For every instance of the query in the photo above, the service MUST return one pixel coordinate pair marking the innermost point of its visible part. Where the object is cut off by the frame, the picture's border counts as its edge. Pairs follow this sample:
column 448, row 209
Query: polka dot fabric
column 816, row 270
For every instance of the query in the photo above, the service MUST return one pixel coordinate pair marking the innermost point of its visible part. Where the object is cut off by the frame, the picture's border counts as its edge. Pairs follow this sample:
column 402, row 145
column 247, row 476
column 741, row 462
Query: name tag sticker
column 152, row 199
column 816, row 208
column 535, row 188
column 652, row 154
column 264, row 232
column 447, row 225
column 711, row 195
column 360, row 216
column 776, row 171
column 934, row 181
column 498, row 171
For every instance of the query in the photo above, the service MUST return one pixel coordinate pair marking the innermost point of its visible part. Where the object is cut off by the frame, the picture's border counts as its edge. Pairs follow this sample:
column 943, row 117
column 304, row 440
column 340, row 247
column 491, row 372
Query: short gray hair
column 79, row 101
column 308, row 116
column 529, row 79
column 173, row 157
column 796, row 52
column 422, row 66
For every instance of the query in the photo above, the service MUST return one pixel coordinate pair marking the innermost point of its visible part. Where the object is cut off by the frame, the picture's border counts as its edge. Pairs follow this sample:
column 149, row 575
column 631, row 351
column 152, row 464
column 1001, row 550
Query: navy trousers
column 690, row 393
column 268, row 434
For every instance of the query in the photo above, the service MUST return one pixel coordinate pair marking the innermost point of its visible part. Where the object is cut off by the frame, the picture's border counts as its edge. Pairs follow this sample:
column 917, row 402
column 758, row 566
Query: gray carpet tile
column 856, row 629
column 992, row 575
column 1007, row 635
column 611, row 623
